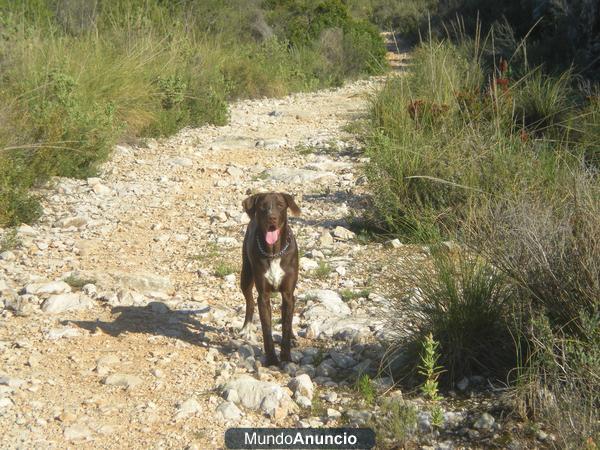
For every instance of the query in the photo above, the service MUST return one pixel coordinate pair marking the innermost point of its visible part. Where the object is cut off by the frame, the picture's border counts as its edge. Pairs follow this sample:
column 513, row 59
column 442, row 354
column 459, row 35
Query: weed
column 349, row 294
column 10, row 240
column 364, row 386
column 76, row 282
column 397, row 421
column 318, row 407
column 223, row 269
column 323, row 271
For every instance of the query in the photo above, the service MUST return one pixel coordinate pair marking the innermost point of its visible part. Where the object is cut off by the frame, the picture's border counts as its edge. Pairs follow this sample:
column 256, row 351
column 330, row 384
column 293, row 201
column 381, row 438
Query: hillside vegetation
column 79, row 76
column 490, row 150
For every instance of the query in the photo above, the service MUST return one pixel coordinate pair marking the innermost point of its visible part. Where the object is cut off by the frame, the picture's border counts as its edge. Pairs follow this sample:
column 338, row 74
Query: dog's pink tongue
column 272, row 237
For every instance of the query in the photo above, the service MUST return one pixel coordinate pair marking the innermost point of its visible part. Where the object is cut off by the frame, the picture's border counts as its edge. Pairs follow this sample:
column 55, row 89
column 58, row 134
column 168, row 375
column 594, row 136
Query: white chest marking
column 275, row 273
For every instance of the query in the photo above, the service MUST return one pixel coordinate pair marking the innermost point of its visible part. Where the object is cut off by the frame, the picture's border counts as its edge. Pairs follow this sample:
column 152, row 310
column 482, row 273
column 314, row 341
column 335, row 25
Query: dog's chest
column 274, row 273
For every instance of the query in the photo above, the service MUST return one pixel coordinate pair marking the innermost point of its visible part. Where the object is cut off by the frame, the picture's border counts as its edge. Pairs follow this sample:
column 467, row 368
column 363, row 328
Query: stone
column 7, row 256
column 358, row 418
column 267, row 397
column 224, row 143
column 74, row 221
column 301, row 385
column 56, row 304
column 326, row 240
column 326, row 299
column 343, row 234
column 303, row 402
column 143, row 282
column 101, row 189
column 307, row 264
column 5, row 403
column 326, row 369
column 65, row 332
column 485, row 422
column 342, row 360
column 53, row 287
column 290, row 175
column 333, row 413
column 327, row 164
column 77, row 432
column 188, row 408
column 123, row 380
column 229, row 411
column 181, row 161
column 26, row 230
column 11, row 382
column 394, row 243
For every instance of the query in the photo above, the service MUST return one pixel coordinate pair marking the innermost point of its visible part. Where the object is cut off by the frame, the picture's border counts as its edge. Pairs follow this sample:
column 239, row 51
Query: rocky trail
column 120, row 309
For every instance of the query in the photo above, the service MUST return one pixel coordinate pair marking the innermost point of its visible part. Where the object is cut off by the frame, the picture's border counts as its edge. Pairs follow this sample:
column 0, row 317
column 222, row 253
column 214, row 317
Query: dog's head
column 270, row 212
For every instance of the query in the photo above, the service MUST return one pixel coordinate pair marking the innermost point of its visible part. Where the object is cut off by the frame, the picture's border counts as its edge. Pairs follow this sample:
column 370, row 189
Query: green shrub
column 466, row 306
column 77, row 77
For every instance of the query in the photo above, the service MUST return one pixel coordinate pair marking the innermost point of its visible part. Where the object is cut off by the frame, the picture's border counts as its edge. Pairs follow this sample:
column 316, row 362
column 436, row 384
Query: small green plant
column 322, row 271
column 317, row 408
column 223, row 269
column 349, row 294
column 9, row 241
column 364, row 386
column 397, row 421
column 209, row 252
column 431, row 371
column 76, row 282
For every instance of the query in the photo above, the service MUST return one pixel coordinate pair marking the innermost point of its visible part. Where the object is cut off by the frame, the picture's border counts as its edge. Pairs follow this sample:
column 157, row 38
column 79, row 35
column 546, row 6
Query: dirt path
column 156, row 241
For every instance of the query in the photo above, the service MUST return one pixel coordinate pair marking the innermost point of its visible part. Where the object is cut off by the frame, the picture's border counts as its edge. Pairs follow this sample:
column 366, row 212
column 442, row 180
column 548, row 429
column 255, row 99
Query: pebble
column 123, row 380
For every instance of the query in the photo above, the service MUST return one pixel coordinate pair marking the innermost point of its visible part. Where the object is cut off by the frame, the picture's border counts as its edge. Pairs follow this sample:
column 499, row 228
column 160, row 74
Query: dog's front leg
column 287, row 316
column 264, row 311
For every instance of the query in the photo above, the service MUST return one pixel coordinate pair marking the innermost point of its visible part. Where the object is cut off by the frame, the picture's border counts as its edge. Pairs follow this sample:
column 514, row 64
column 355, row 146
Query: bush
column 551, row 256
column 466, row 306
column 79, row 76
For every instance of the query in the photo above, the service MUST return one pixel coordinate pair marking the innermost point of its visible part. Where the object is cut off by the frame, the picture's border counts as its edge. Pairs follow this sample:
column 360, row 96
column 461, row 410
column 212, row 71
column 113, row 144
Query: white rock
column 7, row 256
column 394, row 243
column 53, row 287
column 304, row 402
column 343, row 234
column 230, row 278
column 123, row 380
column 302, row 385
column 26, row 230
column 270, row 398
column 333, row 413
column 5, row 403
column 66, row 302
column 58, row 333
column 181, row 161
column 101, row 189
column 77, row 432
column 307, row 264
column 328, row 300
column 11, row 382
column 290, row 175
column 187, row 409
column 229, row 411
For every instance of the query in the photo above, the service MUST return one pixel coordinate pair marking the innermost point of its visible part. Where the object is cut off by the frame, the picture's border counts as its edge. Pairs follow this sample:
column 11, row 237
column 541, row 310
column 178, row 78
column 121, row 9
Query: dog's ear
column 291, row 204
column 249, row 205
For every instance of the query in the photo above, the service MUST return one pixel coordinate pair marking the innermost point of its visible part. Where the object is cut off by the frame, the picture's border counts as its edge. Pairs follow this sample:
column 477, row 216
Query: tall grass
column 78, row 76
column 502, row 157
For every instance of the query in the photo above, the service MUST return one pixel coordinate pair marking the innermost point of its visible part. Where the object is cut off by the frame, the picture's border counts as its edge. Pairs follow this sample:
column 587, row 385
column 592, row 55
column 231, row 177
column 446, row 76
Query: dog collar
column 281, row 252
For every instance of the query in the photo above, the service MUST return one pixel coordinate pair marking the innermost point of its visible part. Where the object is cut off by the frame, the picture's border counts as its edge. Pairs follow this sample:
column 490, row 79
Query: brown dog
column 270, row 262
